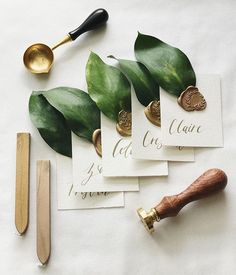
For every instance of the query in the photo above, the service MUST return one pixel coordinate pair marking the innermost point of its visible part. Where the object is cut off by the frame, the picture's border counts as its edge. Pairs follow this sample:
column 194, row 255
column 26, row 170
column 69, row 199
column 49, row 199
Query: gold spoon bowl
column 38, row 58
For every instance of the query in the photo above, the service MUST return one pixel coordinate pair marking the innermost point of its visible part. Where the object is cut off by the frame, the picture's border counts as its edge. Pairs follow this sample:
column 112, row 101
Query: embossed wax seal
column 97, row 141
column 124, row 124
column 191, row 99
column 153, row 112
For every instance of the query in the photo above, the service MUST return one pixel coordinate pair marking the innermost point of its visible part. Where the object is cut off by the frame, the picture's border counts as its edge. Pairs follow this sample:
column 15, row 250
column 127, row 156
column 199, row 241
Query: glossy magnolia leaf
column 169, row 66
column 108, row 87
column 51, row 124
column 145, row 87
column 80, row 111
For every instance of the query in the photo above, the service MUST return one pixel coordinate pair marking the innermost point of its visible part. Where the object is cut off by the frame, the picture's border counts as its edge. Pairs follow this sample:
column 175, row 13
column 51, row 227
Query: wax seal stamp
column 124, row 125
column 97, row 141
column 191, row 99
column 153, row 112
column 207, row 184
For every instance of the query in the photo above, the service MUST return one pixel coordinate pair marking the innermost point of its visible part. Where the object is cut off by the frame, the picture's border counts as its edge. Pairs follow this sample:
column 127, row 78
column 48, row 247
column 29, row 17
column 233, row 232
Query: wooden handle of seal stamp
column 43, row 211
column 22, row 182
column 210, row 182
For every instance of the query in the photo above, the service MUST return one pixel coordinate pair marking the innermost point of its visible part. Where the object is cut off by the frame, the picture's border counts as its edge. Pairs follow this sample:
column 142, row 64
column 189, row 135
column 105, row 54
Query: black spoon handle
column 95, row 20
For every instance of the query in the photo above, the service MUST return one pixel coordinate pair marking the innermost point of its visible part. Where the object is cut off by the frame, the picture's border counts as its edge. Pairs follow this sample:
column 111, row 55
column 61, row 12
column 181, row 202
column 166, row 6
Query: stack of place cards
column 89, row 181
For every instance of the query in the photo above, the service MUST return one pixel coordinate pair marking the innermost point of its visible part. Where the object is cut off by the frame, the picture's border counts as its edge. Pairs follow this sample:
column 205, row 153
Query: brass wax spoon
column 38, row 58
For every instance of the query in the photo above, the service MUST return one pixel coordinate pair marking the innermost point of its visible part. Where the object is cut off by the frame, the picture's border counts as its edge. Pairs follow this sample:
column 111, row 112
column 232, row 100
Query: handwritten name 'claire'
column 180, row 127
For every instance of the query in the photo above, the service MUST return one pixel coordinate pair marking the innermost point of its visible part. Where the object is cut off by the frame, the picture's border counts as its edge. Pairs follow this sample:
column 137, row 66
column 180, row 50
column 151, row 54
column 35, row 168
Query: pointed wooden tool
column 22, row 182
column 43, row 211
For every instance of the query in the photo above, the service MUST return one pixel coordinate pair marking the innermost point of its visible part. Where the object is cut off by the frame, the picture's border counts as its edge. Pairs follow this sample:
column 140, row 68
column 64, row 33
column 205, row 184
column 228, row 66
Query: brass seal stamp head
column 148, row 218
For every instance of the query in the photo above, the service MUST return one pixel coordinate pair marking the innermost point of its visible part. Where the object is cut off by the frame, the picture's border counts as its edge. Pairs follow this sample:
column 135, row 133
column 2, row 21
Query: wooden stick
column 43, row 211
column 22, row 182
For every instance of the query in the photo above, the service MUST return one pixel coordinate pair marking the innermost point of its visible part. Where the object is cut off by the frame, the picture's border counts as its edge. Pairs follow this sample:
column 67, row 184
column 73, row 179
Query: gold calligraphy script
column 122, row 148
column 91, row 171
column 150, row 141
column 180, row 127
column 85, row 195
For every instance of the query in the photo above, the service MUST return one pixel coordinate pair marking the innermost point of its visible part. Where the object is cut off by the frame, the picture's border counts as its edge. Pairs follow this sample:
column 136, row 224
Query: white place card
column 117, row 158
column 87, row 171
column 68, row 198
column 147, row 142
column 196, row 128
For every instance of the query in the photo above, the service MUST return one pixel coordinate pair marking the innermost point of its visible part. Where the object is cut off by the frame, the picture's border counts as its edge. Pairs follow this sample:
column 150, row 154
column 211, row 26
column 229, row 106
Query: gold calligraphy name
column 91, row 171
column 122, row 148
column 85, row 195
column 180, row 127
column 149, row 140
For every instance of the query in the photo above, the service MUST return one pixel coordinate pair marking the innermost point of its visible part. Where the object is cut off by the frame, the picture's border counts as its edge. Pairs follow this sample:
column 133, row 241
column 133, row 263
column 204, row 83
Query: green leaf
column 108, row 87
column 169, row 66
column 51, row 124
column 80, row 111
column 145, row 86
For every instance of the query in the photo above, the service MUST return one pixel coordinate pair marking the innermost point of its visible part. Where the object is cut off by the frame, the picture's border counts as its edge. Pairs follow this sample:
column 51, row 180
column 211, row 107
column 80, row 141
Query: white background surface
column 201, row 240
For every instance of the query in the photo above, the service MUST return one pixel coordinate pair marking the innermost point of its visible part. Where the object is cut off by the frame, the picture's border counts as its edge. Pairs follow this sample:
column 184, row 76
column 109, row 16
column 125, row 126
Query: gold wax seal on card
column 153, row 112
column 97, row 141
column 124, row 125
column 191, row 99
